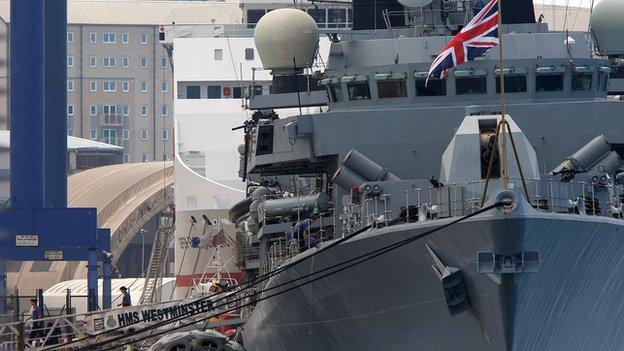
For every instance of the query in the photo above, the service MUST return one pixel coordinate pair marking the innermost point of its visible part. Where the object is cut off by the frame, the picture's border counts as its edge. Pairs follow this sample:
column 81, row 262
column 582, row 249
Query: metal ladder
column 153, row 276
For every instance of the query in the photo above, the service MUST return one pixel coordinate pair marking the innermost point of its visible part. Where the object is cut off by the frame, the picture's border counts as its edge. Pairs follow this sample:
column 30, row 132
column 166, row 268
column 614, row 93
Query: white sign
column 53, row 255
column 26, row 240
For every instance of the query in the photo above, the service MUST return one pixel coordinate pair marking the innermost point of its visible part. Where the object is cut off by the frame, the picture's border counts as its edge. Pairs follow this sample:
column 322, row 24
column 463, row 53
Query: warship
column 504, row 241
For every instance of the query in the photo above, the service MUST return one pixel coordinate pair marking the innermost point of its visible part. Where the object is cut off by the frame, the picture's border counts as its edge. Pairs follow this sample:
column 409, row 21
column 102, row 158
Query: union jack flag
column 476, row 38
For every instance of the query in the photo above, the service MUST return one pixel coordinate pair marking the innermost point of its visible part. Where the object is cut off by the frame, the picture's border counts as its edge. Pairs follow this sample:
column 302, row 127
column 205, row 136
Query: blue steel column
column 92, row 279
column 55, row 148
column 107, row 274
column 26, row 38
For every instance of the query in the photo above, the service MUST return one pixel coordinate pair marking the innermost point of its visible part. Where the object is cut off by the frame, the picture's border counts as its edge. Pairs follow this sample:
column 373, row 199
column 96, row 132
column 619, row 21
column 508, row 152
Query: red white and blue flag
column 480, row 35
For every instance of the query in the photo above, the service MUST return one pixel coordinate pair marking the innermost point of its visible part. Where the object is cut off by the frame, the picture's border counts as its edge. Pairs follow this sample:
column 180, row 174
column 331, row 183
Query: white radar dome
column 284, row 34
column 415, row 3
column 607, row 25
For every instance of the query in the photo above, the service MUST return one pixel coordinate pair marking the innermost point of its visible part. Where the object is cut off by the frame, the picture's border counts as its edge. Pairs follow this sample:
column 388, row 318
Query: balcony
column 111, row 120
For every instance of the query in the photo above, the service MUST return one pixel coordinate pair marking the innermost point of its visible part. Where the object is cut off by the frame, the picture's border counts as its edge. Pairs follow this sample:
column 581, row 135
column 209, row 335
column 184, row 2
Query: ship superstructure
column 390, row 157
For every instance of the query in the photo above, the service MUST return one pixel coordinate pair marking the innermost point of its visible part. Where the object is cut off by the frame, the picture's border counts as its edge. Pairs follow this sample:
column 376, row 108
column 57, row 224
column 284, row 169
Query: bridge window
column 549, row 82
column 358, row 91
column 470, row 85
column 320, row 16
column 335, row 92
column 392, row 88
column 336, row 18
column 582, row 81
column 435, row 87
column 193, row 92
column 513, row 84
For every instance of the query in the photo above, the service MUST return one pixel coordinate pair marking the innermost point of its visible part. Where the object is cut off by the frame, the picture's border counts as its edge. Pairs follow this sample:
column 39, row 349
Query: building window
column 144, row 157
column 93, row 61
column 93, row 86
column 92, row 37
column 143, row 110
column 143, row 38
column 513, row 84
column 109, row 38
column 93, row 134
column 110, row 61
column 214, row 92
column 548, row 82
column 163, row 62
column 393, row 88
column 93, row 110
column 70, row 61
column 143, row 62
column 70, row 37
column 470, row 85
column 164, row 134
column 164, row 157
column 41, row 266
column 435, row 87
column 237, row 92
column 358, row 91
column 70, row 85
column 70, row 132
column 125, row 134
column 336, row 18
column 125, row 38
column 164, row 110
column 125, row 86
column 249, row 54
column 256, row 90
column 320, row 16
column 109, row 109
column 126, row 158
column 70, row 110
column 193, row 92
column 125, row 62
column 582, row 81
column 144, row 134
column 253, row 16
column 164, row 86
column 218, row 54
column 144, row 87
column 125, row 110
column 109, row 86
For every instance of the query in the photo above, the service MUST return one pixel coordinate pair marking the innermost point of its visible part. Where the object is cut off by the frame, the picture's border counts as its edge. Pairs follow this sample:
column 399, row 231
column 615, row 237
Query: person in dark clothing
column 125, row 300
column 37, row 324
column 55, row 335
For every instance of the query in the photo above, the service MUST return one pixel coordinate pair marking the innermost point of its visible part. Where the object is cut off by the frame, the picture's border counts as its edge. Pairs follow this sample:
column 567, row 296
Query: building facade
column 119, row 89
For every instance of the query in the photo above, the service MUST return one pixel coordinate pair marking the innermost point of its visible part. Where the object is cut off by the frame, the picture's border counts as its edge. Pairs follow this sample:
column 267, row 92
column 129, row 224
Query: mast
column 503, row 122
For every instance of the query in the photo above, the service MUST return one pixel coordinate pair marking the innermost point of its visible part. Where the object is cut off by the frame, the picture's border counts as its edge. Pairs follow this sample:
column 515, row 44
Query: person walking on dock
column 125, row 300
column 37, row 324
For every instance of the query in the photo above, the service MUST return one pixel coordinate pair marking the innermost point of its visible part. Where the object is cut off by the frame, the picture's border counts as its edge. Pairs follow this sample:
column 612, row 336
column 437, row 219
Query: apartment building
column 119, row 76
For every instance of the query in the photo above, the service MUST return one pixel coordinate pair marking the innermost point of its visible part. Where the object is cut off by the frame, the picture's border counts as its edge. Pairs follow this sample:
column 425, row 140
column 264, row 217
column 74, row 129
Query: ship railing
column 455, row 200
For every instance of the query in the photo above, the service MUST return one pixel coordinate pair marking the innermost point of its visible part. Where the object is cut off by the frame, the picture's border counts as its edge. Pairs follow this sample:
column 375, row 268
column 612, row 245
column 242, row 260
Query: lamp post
column 143, row 231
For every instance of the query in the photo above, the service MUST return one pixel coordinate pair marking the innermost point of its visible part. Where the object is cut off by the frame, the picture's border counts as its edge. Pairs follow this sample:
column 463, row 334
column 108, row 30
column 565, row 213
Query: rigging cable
column 349, row 263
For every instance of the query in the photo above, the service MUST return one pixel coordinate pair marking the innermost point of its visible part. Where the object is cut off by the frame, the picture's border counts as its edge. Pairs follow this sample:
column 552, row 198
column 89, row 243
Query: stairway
column 153, row 276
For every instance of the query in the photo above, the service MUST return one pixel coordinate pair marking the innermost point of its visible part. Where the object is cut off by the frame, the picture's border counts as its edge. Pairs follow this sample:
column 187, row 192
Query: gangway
column 82, row 330
column 158, row 258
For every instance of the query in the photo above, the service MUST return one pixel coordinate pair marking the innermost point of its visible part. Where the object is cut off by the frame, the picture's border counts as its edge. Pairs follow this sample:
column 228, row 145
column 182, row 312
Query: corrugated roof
column 73, row 143
column 136, row 12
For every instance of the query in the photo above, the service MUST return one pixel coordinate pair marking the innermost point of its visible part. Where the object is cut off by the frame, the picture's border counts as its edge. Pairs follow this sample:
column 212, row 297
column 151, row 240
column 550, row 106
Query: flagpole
column 503, row 122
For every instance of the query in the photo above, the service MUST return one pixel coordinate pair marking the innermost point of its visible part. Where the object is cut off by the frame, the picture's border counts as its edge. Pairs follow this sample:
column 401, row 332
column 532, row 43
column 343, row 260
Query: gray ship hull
column 396, row 301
